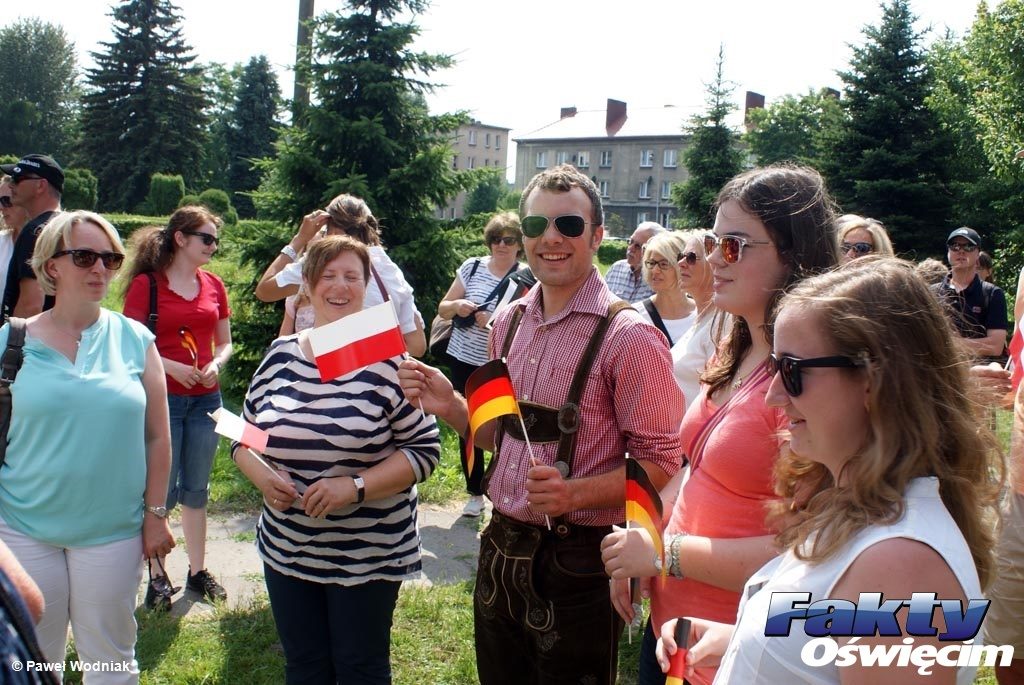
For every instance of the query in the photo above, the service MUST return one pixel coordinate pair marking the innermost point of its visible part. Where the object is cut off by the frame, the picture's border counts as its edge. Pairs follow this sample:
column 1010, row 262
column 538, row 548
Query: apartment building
column 475, row 146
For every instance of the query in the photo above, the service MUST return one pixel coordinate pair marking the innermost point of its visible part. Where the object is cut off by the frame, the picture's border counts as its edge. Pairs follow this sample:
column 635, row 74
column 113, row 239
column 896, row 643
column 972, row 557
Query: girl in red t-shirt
column 193, row 337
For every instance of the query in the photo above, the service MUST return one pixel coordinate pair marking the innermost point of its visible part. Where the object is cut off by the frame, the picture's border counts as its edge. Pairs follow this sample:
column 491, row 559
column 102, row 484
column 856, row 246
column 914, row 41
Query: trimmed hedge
column 611, row 251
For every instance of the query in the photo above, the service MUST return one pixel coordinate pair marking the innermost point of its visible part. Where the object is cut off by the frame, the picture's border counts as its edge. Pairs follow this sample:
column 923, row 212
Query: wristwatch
column 160, row 512
column 360, row 489
column 290, row 251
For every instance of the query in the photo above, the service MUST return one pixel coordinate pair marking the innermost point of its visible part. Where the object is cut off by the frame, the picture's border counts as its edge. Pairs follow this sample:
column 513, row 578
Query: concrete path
column 450, row 543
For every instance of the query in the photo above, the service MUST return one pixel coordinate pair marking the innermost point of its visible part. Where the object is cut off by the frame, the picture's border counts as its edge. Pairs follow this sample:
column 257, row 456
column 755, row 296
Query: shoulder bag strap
column 380, row 283
column 652, row 311
column 10, row 364
column 153, row 316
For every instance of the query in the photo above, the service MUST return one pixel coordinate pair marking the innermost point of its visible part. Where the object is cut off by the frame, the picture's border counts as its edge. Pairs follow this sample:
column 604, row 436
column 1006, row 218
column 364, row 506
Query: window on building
column 671, row 159
column 497, row 142
column 583, row 159
column 487, row 140
column 487, row 162
column 646, row 158
column 455, row 161
column 603, row 187
column 472, row 137
column 561, row 158
column 606, row 158
column 641, row 217
column 645, row 189
column 472, row 162
column 666, row 218
column 451, row 213
column 666, row 190
column 542, row 160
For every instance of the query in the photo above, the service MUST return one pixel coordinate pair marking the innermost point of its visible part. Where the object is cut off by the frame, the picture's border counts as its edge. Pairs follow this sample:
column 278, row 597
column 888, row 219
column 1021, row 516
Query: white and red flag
column 357, row 340
column 1015, row 363
column 234, row 427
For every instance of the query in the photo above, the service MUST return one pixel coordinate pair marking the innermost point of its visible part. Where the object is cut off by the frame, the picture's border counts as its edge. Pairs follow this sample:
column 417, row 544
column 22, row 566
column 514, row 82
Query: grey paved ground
column 450, row 543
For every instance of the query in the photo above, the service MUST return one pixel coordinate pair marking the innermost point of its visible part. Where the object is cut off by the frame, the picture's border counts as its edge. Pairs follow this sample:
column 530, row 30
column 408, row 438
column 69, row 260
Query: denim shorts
column 193, row 445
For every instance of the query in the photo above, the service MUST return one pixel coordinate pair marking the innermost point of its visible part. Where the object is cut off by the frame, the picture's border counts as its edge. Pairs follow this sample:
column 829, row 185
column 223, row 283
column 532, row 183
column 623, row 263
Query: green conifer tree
column 251, row 132
column 143, row 113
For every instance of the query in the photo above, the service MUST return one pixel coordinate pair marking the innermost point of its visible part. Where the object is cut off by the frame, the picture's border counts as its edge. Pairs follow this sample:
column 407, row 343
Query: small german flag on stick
column 677, row 662
column 489, row 394
column 643, row 507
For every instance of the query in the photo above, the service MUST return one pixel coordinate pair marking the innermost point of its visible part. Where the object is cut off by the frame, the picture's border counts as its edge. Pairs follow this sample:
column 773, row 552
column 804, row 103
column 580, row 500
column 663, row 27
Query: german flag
column 643, row 507
column 489, row 394
column 188, row 341
column 677, row 663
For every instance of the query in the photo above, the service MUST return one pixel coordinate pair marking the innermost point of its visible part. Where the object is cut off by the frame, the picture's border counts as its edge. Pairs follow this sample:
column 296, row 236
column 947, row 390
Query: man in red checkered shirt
column 542, row 611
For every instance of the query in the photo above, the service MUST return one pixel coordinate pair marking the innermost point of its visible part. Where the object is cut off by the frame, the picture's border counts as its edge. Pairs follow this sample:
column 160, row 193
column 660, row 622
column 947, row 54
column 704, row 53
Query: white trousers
column 92, row 588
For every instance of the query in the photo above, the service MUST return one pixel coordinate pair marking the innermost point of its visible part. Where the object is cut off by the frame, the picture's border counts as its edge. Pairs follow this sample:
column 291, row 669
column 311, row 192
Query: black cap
column 968, row 234
column 43, row 166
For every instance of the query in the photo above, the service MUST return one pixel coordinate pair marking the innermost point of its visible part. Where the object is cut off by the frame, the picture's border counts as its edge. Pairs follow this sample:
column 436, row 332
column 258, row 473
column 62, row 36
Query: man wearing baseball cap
column 977, row 308
column 37, row 182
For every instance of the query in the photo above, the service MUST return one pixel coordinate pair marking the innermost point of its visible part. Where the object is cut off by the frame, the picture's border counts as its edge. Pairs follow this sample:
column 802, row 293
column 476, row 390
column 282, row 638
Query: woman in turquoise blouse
column 83, row 486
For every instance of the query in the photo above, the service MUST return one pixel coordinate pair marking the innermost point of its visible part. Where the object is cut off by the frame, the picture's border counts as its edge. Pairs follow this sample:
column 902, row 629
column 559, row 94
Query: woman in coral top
column 773, row 227
column 193, row 336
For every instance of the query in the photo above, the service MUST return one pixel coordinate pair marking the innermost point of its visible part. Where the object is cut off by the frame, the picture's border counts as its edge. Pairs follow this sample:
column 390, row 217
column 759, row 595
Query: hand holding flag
column 357, row 340
column 677, row 662
column 644, row 507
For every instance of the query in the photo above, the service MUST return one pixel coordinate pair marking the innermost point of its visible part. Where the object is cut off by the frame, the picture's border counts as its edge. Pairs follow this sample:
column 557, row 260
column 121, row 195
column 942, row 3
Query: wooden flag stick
column 533, row 459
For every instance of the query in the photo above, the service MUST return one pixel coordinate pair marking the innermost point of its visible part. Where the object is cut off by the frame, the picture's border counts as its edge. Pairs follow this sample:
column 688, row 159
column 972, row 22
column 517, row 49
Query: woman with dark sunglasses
column 859, row 236
column 88, row 452
column 691, row 352
column 469, row 303
column 191, row 319
column 890, row 484
column 669, row 309
column 773, row 227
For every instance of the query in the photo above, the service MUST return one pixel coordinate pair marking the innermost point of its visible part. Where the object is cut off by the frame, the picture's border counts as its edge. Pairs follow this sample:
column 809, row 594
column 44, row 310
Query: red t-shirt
column 200, row 314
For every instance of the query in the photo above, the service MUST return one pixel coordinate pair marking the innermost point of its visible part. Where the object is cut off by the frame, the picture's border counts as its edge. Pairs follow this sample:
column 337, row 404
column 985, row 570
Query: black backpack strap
column 10, row 364
column 153, row 316
column 652, row 311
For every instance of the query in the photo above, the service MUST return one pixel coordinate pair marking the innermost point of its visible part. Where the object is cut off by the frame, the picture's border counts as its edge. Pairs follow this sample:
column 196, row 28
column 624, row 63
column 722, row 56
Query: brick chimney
column 615, row 116
column 567, row 112
column 753, row 101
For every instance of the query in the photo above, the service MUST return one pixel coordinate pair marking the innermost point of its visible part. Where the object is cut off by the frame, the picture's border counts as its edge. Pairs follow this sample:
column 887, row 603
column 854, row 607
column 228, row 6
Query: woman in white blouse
column 668, row 308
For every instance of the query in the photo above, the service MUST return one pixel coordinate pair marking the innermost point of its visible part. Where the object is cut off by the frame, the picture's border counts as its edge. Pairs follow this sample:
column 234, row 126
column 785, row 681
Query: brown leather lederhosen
column 546, row 424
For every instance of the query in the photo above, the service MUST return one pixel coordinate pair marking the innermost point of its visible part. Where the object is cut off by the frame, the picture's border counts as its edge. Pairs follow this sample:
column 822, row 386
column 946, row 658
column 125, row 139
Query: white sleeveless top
column 753, row 658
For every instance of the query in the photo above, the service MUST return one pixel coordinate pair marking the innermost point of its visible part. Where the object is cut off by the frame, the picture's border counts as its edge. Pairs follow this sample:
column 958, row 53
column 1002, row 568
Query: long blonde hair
column 921, row 422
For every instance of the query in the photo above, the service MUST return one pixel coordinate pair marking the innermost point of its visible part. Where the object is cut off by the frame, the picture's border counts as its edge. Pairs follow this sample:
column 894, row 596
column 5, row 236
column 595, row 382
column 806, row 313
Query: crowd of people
column 813, row 410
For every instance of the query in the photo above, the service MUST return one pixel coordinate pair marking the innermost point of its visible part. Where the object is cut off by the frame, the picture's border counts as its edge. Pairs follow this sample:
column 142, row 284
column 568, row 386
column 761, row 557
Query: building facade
column 634, row 159
column 475, row 146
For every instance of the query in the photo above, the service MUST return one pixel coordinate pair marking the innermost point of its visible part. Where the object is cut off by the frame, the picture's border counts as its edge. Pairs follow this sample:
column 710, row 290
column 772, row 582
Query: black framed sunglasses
column 961, row 247
column 569, row 225
column 207, row 238
column 5, row 201
column 507, row 241
column 84, row 259
column 789, row 368
column 859, row 248
column 690, row 258
column 731, row 245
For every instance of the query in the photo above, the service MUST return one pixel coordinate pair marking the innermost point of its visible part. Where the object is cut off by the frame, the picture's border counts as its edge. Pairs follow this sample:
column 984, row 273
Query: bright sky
column 517, row 67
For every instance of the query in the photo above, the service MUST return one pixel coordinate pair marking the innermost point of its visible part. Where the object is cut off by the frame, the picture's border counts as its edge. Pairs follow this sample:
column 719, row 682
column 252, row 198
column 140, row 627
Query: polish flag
column 234, row 427
column 1015, row 364
column 357, row 340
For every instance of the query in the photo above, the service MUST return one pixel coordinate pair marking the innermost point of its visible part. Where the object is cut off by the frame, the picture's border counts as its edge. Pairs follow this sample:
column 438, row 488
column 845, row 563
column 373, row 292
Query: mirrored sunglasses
column 84, row 259
column 731, row 246
column 961, row 247
column 859, row 248
column 207, row 238
column 569, row 225
column 789, row 368
column 690, row 258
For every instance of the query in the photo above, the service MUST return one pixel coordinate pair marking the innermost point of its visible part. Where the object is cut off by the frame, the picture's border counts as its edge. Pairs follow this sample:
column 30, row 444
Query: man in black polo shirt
column 977, row 308
column 37, row 182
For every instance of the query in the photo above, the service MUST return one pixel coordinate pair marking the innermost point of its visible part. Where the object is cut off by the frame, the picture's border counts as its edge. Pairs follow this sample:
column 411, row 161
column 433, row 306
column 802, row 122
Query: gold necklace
column 59, row 329
column 738, row 382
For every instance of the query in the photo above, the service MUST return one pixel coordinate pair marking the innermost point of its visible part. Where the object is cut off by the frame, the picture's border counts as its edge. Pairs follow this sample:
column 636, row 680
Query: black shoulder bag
column 10, row 364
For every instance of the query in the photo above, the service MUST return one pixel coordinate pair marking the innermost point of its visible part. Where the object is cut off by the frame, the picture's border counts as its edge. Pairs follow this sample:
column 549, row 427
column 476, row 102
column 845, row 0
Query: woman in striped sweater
column 338, row 531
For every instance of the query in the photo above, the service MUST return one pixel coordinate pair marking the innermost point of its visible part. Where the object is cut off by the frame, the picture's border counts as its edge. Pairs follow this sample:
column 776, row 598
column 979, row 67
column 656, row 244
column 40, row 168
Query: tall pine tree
column 251, row 129
column 144, row 111
column 889, row 159
column 712, row 157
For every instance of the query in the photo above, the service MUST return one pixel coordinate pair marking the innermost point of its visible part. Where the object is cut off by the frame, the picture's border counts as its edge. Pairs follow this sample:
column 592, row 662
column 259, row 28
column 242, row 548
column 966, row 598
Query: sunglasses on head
column 859, row 248
column 789, row 369
column 207, row 238
column 731, row 245
column 84, row 259
column 5, row 201
column 961, row 247
column 507, row 241
column 569, row 225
